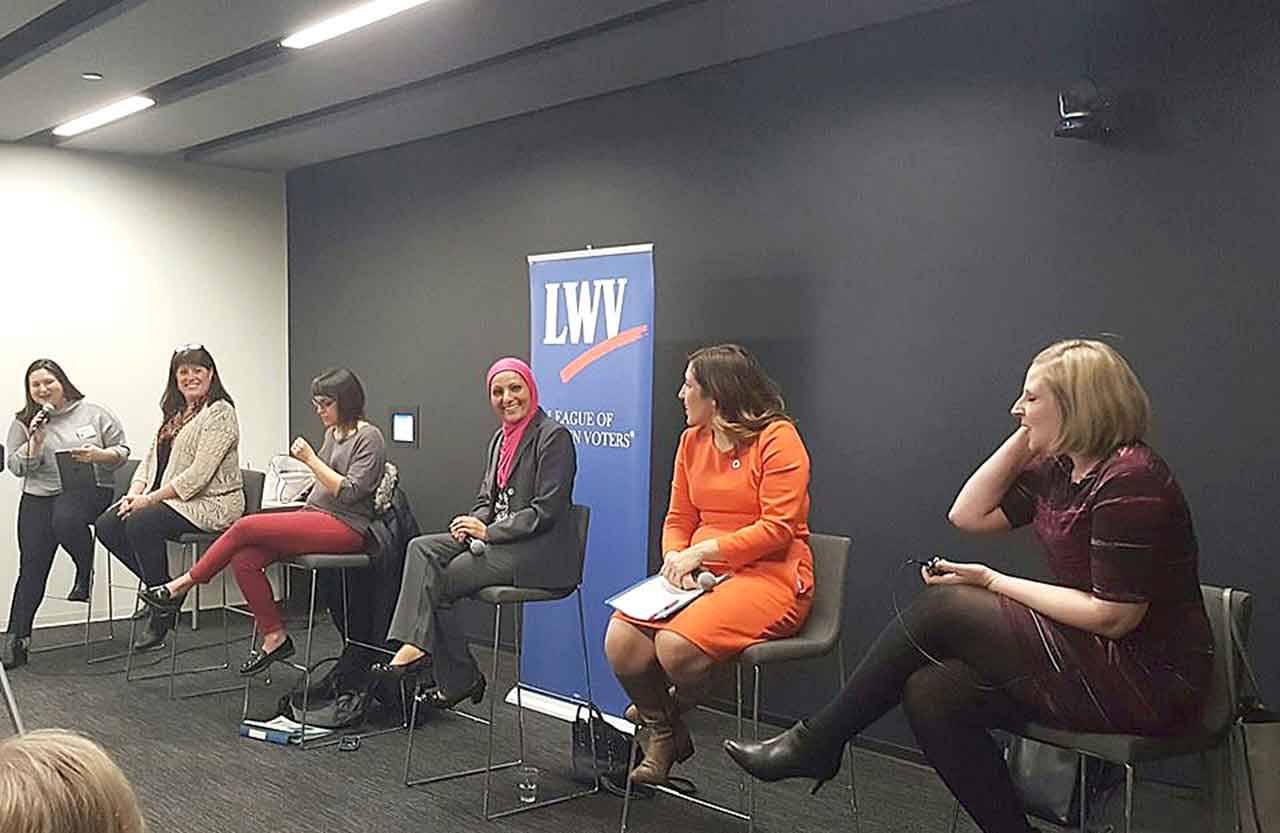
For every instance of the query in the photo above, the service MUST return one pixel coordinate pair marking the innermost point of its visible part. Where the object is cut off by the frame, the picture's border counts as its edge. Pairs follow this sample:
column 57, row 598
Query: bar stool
column 822, row 632
column 314, row 563
column 191, row 546
column 497, row 596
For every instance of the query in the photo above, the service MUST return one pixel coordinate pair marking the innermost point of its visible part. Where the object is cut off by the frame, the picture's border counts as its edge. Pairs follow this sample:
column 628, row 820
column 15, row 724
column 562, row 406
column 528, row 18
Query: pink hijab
column 512, row 433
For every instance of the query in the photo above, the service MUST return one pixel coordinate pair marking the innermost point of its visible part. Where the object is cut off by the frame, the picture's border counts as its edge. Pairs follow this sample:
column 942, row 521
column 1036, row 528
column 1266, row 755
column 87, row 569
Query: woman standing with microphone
column 55, row 418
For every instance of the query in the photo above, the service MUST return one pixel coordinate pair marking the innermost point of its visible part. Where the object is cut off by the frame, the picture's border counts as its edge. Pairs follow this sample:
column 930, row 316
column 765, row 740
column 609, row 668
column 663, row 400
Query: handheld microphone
column 707, row 580
column 42, row 416
column 477, row 546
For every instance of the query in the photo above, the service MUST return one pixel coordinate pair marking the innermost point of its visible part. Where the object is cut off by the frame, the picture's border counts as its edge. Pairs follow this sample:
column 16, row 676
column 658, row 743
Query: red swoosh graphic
column 601, row 350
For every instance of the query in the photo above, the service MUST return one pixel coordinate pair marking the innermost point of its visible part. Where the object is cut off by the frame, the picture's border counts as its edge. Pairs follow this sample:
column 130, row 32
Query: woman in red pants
column 348, row 468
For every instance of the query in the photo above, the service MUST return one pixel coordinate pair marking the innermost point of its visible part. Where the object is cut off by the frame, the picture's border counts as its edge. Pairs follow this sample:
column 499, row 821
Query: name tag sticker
column 86, row 432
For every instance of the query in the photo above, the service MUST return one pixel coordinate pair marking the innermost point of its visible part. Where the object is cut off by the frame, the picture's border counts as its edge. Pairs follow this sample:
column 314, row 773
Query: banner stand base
column 560, row 708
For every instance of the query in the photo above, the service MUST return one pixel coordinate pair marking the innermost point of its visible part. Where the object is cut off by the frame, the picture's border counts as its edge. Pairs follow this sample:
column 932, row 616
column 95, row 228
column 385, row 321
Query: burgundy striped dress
column 1123, row 533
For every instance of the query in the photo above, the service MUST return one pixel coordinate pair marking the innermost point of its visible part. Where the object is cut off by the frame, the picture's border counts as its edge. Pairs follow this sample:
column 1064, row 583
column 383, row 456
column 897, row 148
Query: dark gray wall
column 885, row 218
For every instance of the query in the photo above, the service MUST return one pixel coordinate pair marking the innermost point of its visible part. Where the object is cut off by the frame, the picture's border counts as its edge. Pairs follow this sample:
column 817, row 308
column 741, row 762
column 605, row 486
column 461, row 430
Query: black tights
column 951, row 707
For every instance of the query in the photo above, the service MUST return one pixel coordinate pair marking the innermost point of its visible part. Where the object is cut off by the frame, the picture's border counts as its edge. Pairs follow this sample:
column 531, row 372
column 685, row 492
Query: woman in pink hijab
column 517, row 533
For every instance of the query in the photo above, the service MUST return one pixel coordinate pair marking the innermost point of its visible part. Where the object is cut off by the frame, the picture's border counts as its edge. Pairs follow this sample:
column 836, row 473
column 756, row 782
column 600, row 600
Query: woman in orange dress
column 739, row 506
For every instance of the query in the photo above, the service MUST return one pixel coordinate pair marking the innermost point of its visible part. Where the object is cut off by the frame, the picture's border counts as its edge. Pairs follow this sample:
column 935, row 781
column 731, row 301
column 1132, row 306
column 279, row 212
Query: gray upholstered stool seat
column 503, row 594
column 331, row 561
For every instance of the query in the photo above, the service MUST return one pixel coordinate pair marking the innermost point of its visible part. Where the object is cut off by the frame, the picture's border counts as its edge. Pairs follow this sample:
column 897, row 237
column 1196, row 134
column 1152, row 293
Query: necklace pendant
column 737, row 464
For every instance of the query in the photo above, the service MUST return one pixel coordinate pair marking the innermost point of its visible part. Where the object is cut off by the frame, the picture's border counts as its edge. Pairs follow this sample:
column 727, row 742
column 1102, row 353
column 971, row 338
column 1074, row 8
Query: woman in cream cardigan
column 189, row 482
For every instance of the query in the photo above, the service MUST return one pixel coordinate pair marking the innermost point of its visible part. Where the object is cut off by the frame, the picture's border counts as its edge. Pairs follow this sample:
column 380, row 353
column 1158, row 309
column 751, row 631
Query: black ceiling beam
column 55, row 27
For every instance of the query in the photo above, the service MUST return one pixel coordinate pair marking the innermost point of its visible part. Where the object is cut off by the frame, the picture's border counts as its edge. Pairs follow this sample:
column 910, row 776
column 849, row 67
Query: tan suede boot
column 665, row 741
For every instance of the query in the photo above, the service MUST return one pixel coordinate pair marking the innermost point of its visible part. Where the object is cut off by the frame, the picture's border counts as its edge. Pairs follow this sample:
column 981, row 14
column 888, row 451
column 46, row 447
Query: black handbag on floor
column 1047, row 779
column 612, row 746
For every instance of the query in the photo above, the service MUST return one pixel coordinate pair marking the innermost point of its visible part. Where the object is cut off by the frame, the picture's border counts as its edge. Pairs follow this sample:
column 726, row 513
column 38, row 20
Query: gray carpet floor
column 194, row 774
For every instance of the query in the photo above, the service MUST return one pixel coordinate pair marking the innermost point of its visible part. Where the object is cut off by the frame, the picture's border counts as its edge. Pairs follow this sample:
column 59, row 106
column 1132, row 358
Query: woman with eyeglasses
column 189, row 481
column 56, row 419
column 348, row 468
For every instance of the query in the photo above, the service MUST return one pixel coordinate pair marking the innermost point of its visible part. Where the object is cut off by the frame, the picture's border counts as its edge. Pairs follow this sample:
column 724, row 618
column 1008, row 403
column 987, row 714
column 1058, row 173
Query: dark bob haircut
column 342, row 386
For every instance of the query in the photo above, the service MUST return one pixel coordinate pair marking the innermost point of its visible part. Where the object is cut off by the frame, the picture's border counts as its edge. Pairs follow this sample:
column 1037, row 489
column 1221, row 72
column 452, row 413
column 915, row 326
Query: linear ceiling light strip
column 348, row 21
column 105, row 115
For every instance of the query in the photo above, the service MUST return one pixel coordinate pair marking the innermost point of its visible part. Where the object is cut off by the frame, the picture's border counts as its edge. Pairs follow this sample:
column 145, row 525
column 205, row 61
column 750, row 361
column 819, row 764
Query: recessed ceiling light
column 92, row 76
column 110, row 113
column 347, row 21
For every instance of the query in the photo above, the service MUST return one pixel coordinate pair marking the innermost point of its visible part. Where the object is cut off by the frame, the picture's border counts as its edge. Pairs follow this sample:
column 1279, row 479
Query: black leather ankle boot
column 796, row 753
column 157, row 628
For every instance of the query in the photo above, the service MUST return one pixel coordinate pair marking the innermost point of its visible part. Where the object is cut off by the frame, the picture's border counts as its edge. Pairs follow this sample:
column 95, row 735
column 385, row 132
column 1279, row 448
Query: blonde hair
column 1103, row 405
column 55, row 781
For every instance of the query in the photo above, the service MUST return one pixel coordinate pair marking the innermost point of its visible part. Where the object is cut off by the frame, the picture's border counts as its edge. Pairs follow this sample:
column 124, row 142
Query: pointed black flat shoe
column 796, row 753
column 438, row 699
column 258, row 660
column 160, row 599
column 393, row 673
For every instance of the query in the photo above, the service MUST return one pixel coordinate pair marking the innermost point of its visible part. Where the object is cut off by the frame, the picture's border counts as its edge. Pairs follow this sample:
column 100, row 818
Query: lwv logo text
column 583, row 303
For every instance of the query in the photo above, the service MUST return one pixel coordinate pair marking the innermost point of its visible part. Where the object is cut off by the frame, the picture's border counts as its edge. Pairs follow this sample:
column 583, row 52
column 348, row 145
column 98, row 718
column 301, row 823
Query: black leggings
column 139, row 539
column 952, row 706
column 44, row 523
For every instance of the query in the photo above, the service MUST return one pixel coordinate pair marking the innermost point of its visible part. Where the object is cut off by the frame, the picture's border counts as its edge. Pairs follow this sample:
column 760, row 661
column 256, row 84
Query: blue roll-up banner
column 592, row 357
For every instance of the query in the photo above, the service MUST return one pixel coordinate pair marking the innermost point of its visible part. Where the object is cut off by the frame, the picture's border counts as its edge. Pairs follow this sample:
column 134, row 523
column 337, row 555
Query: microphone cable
column 978, row 686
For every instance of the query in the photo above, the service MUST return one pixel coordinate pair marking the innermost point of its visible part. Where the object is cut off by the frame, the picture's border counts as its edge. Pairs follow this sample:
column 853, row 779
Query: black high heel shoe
column 392, row 673
column 159, row 598
column 439, row 700
column 796, row 753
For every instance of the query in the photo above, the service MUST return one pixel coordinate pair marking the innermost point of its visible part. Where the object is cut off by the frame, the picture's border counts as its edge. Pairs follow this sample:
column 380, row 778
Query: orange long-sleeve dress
column 754, row 499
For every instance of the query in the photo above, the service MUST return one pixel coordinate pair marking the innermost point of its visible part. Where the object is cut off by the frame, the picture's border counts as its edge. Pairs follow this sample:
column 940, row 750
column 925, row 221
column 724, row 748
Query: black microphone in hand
column 477, row 546
column 931, row 565
column 41, row 417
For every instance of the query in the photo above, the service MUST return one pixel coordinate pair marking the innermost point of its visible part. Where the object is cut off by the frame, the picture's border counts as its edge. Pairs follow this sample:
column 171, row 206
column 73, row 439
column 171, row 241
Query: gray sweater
column 361, row 458
column 74, row 425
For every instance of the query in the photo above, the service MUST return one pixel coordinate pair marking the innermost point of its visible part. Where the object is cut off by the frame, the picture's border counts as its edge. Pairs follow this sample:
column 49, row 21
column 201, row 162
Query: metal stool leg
column 1128, row 798
column 11, row 704
column 306, row 662
column 755, row 735
column 1082, row 764
column 493, row 702
column 848, row 747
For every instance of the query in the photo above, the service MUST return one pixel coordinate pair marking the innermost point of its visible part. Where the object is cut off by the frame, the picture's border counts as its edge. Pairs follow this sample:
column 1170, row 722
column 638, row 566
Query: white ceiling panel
column 14, row 14
column 446, row 35
column 440, row 67
column 148, row 44
column 695, row 37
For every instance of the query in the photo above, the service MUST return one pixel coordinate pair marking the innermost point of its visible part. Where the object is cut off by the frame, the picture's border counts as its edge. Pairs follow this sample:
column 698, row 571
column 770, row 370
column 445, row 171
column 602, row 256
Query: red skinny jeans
column 255, row 541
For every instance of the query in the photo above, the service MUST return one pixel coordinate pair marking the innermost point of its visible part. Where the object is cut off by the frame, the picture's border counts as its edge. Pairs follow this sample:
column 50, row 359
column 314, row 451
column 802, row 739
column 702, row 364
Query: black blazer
column 536, row 535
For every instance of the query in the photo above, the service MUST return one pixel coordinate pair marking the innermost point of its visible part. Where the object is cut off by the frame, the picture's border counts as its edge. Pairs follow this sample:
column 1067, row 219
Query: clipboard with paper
column 654, row 599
